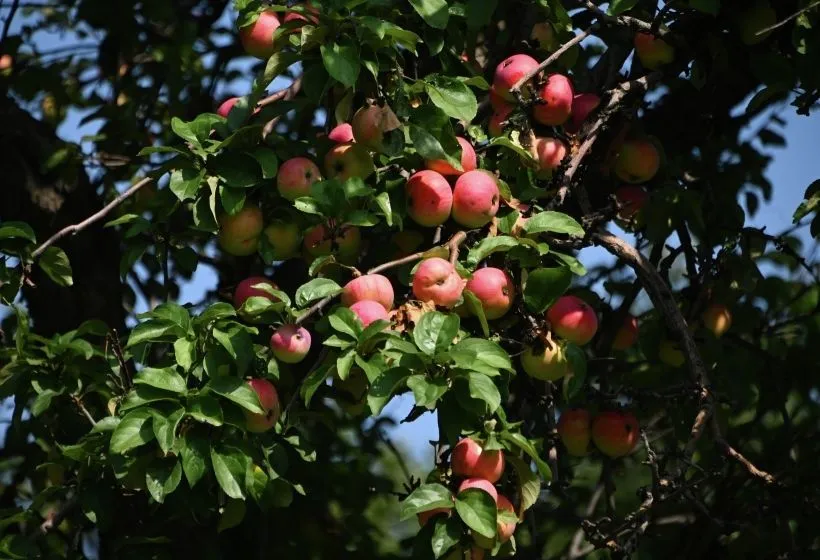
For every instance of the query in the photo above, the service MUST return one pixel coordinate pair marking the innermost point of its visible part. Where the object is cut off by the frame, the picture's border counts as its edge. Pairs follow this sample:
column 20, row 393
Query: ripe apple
column 425, row 516
column 470, row 460
column 6, row 64
column 574, row 431
column 615, row 432
column 245, row 289
column 631, row 200
column 239, row 234
column 652, row 51
column 582, row 105
column 290, row 344
column 475, row 199
column 345, row 245
column 547, row 364
column 510, row 71
column 297, row 16
column 436, row 280
column 573, row 319
column 468, row 160
column 226, row 106
column 498, row 102
column 269, row 400
column 495, row 289
column 296, row 176
column 756, row 18
column 257, row 38
column 505, row 530
column 374, row 287
column 429, row 198
column 481, row 484
column 285, row 239
column 543, row 33
column 344, row 161
column 669, row 352
column 556, row 101
column 550, row 153
column 368, row 311
column 341, row 134
column 627, row 334
column 717, row 318
column 637, row 161
column 495, row 126
column 369, row 125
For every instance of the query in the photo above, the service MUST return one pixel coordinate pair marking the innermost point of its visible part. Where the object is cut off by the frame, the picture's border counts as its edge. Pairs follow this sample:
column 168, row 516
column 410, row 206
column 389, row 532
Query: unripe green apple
column 548, row 363
column 669, row 353
column 717, row 318
column 652, row 51
column 239, row 233
column 285, row 239
column 344, row 161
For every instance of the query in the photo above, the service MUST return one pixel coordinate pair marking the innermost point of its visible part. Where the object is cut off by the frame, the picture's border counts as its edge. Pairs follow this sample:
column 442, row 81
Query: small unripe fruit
column 296, row 176
column 345, row 245
column 754, row 19
column 573, row 319
column 669, row 353
column 631, row 199
column 547, row 364
column 505, row 530
column 495, row 290
column 257, row 38
column 436, row 280
column 627, row 334
column 550, row 153
column 239, row 233
column 544, row 35
column 637, row 161
column 374, row 287
column 556, row 95
column 344, row 161
column 574, row 431
column 717, row 318
column 582, row 105
column 368, row 311
column 468, row 160
column 284, row 238
column 470, row 460
column 475, row 199
column 615, row 433
column 245, row 289
column 652, row 51
column 269, row 401
column 341, row 134
column 226, row 106
column 429, row 198
column 510, row 71
column 481, row 484
column 290, row 344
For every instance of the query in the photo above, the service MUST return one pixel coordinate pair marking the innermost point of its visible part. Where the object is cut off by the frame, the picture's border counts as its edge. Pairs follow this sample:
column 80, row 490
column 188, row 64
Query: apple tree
column 529, row 217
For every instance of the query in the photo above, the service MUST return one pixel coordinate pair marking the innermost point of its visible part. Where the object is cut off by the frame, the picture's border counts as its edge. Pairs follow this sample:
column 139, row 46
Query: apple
column 652, row 51
column 544, row 35
column 631, row 199
column 498, row 102
column 470, row 460
column 582, row 105
column 239, row 233
column 297, row 16
column 550, row 153
column 374, row 287
column 425, row 516
column 717, row 318
column 555, row 101
column 475, row 199
column 627, row 334
column 269, row 401
column 369, row 125
column 495, row 289
column 548, row 363
column 637, row 161
column 754, row 19
column 510, row 71
column 368, row 311
column 505, row 530
column 257, row 38
column 573, row 319
column 669, row 352
column 285, row 239
column 436, row 280
column 345, row 245
column 6, row 64
column 245, row 289
column 498, row 119
column 344, row 161
column 574, row 431
column 481, row 484
column 468, row 160
column 429, row 198
column 290, row 344
column 296, row 176
column 341, row 134
column 226, row 106
column 615, row 432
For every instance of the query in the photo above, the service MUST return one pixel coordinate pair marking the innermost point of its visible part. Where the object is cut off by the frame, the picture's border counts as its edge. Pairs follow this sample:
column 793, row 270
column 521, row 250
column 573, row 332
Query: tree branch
column 15, row 5
column 516, row 89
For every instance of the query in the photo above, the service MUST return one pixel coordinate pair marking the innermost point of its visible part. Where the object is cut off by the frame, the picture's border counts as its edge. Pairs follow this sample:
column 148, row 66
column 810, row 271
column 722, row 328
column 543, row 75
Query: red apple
column 652, row 51
column 290, row 344
column 344, row 161
column 498, row 102
column 574, row 431
column 631, row 199
column 368, row 311
column 495, row 289
column 226, row 106
column 369, row 125
column 555, row 101
column 505, row 530
column 296, row 176
column 345, row 245
column 470, row 460
column 284, row 238
column 429, row 198
column 497, row 121
column 374, row 287
column 547, row 364
column 627, row 334
column 468, row 160
column 582, row 105
column 475, row 199
column 239, row 234
column 269, row 401
column 637, row 161
column 717, row 318
column 551, row 152
column 510, row 71
column 615, row 433
column 245, row 289
column 573, row 319
column 341, row 134
column 257, row 38
column 481, row 484
column 436, row 280
column 297, row 16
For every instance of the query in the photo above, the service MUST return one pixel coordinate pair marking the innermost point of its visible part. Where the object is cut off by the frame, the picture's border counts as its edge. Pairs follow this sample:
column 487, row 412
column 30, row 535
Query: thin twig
column 788, row 19
column 15, row 5
column 551, row 58
column 79, row 402
column 282, row 95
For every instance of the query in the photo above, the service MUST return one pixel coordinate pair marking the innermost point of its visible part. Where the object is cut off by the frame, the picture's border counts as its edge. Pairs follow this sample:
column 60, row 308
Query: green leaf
column 161, row 481
column 508, row 143
column 42, row 402
column 427, row 391
column 383, row 202
column 483, row 388
column 344, row 362
column 313, row 381
column 478, row 511
column 525, row 445
column 529, row 485
column 55, row 263
column 488, row 246
column 574, row 264
column 166, row 379
column 452, row 96
column 811, row 202
column 267, row 161
column 578, row 364
column 435, row 332
column 316, row 289
column 341, row 62
column 185, row 182
column 134, row 430
column 617, row 7
column 434, row 12
column 383, row 388
column 481, row 355
column 343, row 320
column 143, row 394
column 185, row 353
column 194, row 453
column 446, row 535
column 205, row 408
column 544, row 286
column 477, row 309
column 424, row 498
column 165, row 427
column 237, row 170
column 232, row 515
column 555, row 222
column 238, row 344
column 153, row 331
column 236, row 390
column 230, row 465
column 17, row 230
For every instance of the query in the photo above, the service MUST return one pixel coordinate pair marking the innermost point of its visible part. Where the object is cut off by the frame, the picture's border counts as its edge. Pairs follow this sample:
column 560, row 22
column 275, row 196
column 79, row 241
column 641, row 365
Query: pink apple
column 582, row 105
column 551, row 152
column 510, row 71
column 498, row 102
column 505, row 530
column 257, row 38
column 296, row 16
column 345, row 245
column 374, row 287
column 245, row 289
column 436, row 280
column 341, row 134
column 290, row 344
column 475, row 199
column 631, row 200
column 627, row 334
column 481, row 484
column 470, row 460
column 468, row 160
column 296, row 176
column 368, row 126
column 368, row 311
column 495, row 289
column 429, row 198
column 269, row 401
column 344, row 161
column 497, row 120
column 239, row 234
column 226, row 106
column 555, row 103
column 573, row 319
